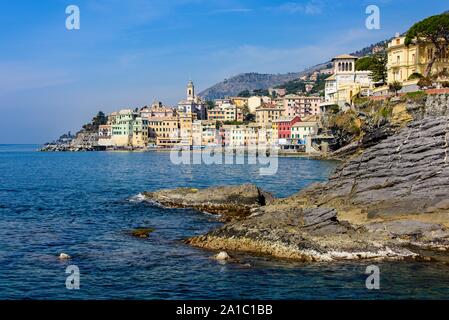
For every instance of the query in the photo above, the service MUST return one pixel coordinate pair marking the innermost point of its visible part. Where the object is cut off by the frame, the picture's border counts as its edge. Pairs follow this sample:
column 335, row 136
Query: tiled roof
column 305, row 123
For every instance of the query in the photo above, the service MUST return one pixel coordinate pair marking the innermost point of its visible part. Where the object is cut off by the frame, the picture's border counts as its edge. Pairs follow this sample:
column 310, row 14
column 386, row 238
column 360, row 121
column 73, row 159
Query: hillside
column 251, row 81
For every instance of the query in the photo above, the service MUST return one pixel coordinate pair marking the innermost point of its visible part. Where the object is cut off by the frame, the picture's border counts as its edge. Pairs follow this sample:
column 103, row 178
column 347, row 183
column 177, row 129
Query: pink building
column 301, row 106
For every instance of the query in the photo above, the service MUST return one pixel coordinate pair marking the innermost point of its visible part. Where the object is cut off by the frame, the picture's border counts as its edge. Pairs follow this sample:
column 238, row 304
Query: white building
column 304, row 130
column 346, row 82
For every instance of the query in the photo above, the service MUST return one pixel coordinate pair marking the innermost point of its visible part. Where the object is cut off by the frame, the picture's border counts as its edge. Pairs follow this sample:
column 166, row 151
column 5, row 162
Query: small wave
column 214, row 215
column 139, row 198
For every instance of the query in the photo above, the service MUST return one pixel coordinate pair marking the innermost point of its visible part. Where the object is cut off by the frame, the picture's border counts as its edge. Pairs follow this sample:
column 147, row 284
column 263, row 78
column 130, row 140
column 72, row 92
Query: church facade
column 193, row 104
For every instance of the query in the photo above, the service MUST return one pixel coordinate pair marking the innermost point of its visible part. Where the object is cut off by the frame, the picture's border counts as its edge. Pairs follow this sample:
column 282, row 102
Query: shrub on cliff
column 415, row 75
column 348, row 122
column 395, row 87
column 424, row 83
column 415, row 96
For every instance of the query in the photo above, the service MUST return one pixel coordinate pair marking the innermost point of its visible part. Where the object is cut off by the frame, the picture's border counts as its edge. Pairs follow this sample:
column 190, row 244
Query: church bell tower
column 190, row 91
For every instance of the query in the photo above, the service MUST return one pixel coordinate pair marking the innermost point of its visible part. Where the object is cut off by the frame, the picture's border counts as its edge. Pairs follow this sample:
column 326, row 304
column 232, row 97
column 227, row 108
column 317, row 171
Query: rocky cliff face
column 388, row 202
column 357, row 130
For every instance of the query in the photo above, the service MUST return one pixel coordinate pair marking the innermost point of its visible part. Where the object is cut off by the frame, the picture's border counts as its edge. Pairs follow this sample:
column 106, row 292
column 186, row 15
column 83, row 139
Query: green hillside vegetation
column 299, row 86
column 377, row 64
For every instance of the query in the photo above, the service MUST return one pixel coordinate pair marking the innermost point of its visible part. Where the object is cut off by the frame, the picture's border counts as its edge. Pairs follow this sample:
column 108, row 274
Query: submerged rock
column 222, row 256
column 142, row 233
column 64, row 256
column 231, row 202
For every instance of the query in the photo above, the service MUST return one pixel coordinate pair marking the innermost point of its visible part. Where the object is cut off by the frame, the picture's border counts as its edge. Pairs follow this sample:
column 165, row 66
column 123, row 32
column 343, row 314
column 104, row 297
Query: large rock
column 406, row 174
column 302, row 234
column 389, row 202
column 231, row 202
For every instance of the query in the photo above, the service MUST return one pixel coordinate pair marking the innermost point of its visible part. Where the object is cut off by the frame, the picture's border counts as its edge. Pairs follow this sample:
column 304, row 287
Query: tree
column 377, row 64
column 245, row 110
column 395, row 86
column 415, row 75
column 247, row 115
column 250, row 117
column 210, row 104
column 245, row 94
column 424, row 82
column 365, row 63
column 99, row 120
column 261, row 92
column 379, row 68
column 293, row 86
column 434, row 29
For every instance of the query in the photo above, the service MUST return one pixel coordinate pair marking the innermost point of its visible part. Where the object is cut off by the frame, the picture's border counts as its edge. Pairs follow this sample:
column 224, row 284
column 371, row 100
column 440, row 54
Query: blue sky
column 129, row 53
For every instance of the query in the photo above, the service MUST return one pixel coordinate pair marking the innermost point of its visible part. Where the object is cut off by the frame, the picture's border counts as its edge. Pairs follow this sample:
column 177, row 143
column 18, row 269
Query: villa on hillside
column 346, row 82
column 405, row 61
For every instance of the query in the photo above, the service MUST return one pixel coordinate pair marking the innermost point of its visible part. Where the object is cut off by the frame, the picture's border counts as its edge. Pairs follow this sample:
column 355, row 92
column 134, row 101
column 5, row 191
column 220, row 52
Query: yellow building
column 163, row 130
column 225, row 112
column 140, row 132
column 273, row 136
column 267, row 113
column 240, row 102
column 404, row 60
column 186, row 127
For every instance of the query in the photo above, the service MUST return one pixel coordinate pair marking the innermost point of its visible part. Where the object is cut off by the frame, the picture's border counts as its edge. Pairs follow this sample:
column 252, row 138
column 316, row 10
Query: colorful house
column 284, row 126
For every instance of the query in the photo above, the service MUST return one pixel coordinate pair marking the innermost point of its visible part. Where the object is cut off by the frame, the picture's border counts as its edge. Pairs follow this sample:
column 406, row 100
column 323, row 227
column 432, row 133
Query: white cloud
column 231, row 10
column 310, row 8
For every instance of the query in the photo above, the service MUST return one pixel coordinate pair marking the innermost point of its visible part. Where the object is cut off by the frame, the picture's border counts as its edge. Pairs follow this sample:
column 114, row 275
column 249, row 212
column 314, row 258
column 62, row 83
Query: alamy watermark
column 73, row 21
column 373, row 280
column 72, row 281
column 372, row 22
column 227, row 149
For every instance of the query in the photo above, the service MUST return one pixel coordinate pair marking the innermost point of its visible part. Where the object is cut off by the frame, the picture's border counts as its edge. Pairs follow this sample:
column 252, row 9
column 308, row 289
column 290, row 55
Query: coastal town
column 289, row 122
column 225, row 155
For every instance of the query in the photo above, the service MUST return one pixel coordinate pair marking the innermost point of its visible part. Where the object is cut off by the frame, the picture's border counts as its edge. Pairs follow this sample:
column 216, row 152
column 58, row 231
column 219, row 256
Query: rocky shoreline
column 388, row 201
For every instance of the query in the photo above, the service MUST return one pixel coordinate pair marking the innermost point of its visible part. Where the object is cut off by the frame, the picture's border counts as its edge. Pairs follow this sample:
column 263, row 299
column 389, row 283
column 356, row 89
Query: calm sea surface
column 84, row 204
